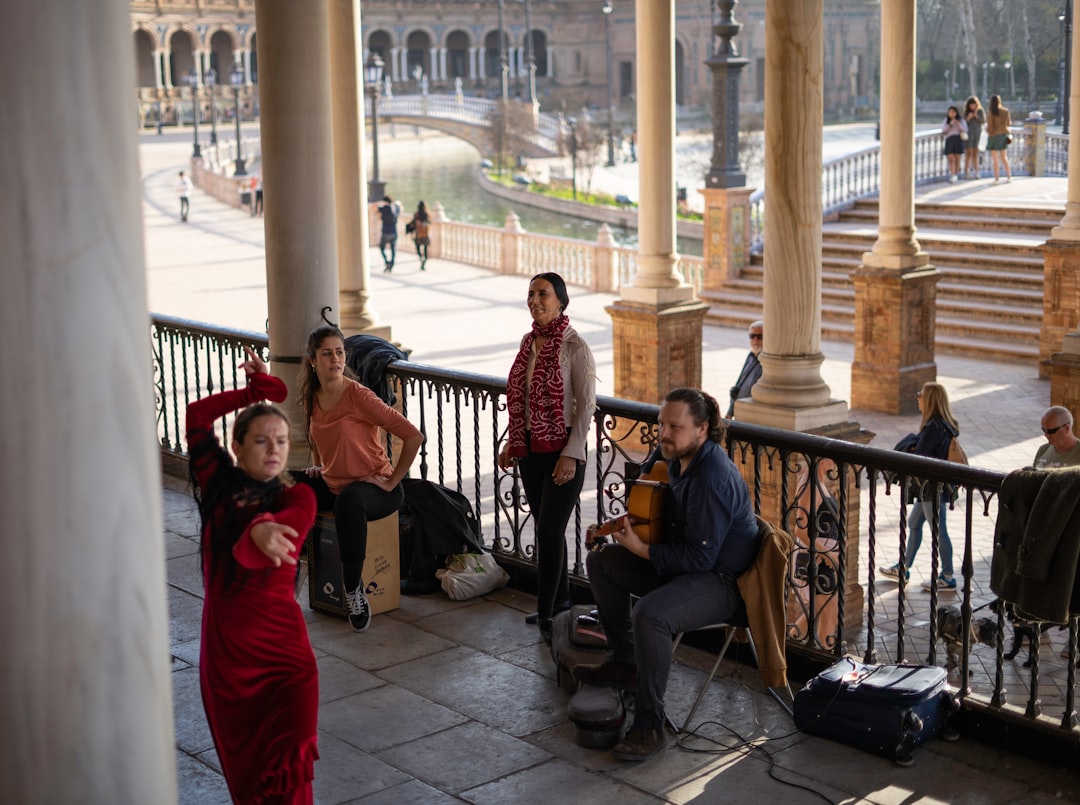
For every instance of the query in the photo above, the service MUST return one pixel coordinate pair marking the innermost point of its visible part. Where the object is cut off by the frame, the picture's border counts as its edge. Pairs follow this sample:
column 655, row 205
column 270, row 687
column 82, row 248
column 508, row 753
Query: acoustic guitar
column 645, row 506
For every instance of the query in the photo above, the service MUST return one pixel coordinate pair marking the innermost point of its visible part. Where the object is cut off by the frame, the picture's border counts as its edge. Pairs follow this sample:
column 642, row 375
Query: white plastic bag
column 468, row 575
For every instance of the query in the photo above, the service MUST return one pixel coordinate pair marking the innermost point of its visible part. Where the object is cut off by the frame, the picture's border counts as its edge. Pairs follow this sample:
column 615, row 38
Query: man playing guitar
column 684, row 582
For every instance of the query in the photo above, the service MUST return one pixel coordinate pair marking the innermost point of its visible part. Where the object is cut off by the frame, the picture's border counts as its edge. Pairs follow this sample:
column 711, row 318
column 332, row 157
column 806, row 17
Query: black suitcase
column 598, row 715
column 886, row 709
column 577, row 638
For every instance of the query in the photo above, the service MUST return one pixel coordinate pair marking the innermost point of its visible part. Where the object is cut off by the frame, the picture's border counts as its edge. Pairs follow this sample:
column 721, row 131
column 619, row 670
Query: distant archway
column 144, row 59
column 419, row 54
column 457, row 54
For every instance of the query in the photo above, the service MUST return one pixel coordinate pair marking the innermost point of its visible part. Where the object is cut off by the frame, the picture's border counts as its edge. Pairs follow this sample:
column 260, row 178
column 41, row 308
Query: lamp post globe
column 607, row 9
column 211, row 82
column 236, row 78
column 373, row 76
column 193, row 81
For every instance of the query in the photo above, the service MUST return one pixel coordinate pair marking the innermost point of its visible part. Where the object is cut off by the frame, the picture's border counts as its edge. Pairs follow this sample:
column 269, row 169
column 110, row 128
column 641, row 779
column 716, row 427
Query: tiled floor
column 444, row 701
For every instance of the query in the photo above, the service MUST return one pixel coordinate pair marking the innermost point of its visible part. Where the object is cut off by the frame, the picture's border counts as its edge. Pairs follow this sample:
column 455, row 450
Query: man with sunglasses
column 751, row 368
column 1062, row 448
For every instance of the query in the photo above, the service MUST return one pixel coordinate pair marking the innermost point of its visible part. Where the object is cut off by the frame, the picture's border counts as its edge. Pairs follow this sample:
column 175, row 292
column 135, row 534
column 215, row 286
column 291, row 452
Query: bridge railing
column 845, row 504
column 599, row 265
column 549, row 134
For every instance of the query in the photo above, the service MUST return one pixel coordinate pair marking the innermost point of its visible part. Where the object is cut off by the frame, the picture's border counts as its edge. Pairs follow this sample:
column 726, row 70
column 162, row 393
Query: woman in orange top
column 352, row 473
column 997, row 137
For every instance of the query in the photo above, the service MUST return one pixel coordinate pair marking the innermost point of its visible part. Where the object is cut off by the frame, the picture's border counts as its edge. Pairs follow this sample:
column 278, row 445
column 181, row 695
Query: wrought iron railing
column 844, row 502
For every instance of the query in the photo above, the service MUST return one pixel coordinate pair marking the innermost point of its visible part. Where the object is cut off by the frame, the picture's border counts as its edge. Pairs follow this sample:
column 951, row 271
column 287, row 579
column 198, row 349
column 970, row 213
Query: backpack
column 956, row 452
column 421, row 228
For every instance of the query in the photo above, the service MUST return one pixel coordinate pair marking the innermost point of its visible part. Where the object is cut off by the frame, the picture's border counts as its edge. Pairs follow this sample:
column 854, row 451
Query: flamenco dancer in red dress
column 256, row 668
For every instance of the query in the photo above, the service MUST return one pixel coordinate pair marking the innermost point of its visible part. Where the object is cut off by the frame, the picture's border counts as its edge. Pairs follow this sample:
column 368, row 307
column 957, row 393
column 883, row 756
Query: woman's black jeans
column 551, row 506
column 357, row 503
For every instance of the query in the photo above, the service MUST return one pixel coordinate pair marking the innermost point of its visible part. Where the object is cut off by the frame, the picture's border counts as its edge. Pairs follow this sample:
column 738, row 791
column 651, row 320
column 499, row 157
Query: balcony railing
column 844, row 503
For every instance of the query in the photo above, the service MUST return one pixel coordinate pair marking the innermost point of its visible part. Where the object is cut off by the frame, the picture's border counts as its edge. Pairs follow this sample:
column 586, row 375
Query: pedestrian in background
column 420, row 227
column 751, row 368
column 938, row 428
column 975, row 117
column 956, row 132
column 1062, row 448
column 998, row 138
column 183, row 189
column 388, row 215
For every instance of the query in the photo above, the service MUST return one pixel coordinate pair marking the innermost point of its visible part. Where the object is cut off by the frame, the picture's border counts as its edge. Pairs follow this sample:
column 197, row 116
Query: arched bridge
column 476, row 120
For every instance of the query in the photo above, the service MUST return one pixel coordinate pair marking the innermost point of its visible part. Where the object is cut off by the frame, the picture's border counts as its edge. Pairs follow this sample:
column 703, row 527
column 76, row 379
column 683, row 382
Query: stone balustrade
column 600, row 265
column 212, row 172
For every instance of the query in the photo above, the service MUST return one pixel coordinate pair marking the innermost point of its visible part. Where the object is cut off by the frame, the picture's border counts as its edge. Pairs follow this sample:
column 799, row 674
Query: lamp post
column 1068, row 66
column 530, row 56
column 959, row 71
column 211, row 82
column 986, row 65
column 607, row 9
column 373, row 70
column 573, row 157
column 948, row 86
column 1059, row 106
column 726, row 66
column 193, row 80
column 1005, row 71
column 236, row 78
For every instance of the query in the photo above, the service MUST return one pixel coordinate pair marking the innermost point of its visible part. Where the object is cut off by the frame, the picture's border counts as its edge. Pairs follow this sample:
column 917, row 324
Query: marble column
column 895, row 287
column 85, row 683
column 791, row 393
column 357, row 313
column 158, row 83
column 245, row 60
column 472, row 64
column 298, row 179
column 393, row 65
column 656, row 321
column 1059, row 340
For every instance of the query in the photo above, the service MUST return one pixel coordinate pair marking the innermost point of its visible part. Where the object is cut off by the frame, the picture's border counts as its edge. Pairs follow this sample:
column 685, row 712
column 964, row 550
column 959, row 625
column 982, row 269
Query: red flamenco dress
column 256, row 668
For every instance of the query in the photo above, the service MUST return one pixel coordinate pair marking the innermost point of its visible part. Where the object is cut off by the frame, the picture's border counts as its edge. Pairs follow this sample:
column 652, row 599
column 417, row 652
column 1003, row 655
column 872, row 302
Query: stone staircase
column 989, row 294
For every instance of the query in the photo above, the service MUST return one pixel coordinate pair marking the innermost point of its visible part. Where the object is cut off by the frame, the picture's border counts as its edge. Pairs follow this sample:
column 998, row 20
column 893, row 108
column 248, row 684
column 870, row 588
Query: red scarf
column 547, row 427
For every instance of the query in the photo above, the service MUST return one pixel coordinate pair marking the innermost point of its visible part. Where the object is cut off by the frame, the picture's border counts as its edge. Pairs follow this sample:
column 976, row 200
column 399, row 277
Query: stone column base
column 894, row 337
column 727, row 234
column 1063, row 368
column 1061, row 298
column 656, row 349
column 804, row 420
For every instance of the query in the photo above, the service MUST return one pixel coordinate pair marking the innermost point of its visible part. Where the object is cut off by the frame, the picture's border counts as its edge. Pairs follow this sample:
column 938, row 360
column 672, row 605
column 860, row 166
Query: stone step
column 965, row 221
column 1050, row 214
column 953, row 337
column 1003, row 273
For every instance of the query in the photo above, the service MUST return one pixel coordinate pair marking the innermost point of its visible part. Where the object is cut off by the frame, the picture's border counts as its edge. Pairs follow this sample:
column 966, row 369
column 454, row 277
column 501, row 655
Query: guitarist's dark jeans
column 667, row 606
column 551, row 506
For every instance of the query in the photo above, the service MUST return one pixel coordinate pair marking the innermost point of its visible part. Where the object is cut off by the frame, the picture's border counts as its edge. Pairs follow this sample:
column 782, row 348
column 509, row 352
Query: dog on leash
column 1021, row 629
column 950, row 630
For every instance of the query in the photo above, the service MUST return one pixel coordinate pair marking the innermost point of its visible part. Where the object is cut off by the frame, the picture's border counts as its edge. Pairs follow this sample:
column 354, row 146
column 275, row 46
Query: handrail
column 835, row 603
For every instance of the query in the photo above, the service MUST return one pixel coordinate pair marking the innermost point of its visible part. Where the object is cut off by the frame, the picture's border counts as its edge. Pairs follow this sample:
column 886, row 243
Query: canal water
column 443, row 169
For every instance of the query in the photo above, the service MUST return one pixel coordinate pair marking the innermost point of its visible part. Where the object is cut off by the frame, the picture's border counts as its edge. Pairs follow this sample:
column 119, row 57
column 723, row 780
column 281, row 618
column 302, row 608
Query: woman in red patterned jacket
column 550, row 397
column 256, row 668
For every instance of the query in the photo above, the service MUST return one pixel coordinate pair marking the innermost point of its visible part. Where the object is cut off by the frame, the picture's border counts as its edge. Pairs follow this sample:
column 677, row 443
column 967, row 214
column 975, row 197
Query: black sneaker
column 640, row 743
column 359, row 609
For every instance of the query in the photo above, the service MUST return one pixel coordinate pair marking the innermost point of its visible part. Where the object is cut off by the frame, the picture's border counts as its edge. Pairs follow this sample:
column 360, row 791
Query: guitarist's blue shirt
column 713, row 526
